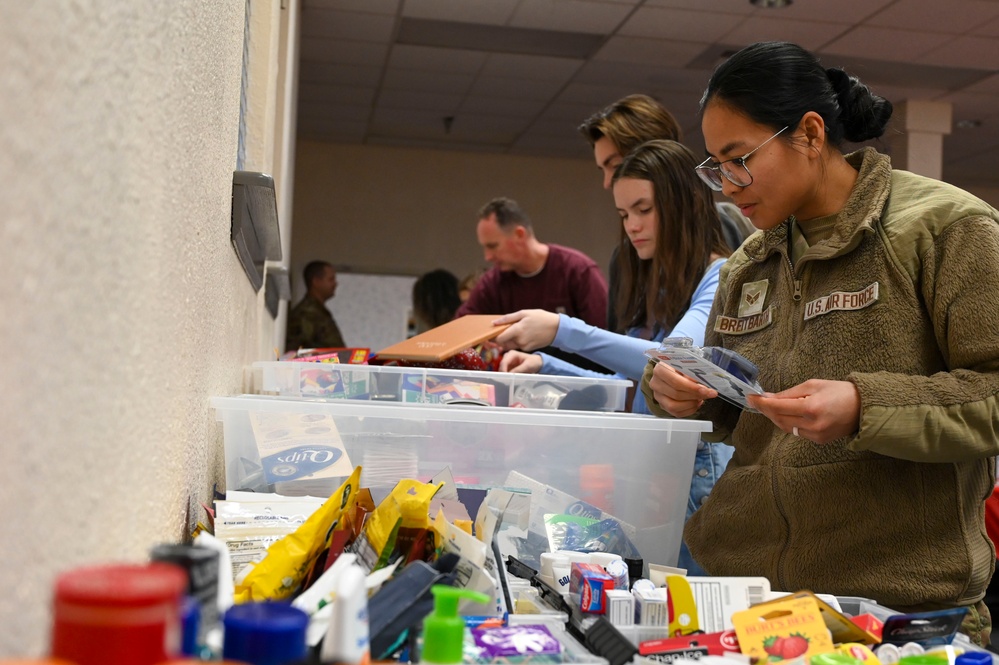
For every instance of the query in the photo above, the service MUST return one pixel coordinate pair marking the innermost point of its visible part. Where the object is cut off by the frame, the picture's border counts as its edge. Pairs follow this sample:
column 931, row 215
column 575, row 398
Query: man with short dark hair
column 529, row 274
column 310, row 323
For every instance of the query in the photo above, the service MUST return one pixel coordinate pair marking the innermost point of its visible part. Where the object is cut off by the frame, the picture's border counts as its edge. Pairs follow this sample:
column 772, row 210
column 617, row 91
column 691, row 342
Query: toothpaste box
column 591, row 582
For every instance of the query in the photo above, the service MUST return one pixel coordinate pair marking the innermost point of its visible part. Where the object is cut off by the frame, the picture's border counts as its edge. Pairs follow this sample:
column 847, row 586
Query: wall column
column 919, row 145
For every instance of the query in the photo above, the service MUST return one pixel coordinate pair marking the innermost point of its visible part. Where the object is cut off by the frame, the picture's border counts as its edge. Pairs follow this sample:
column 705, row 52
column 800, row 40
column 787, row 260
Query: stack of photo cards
column 733, row 376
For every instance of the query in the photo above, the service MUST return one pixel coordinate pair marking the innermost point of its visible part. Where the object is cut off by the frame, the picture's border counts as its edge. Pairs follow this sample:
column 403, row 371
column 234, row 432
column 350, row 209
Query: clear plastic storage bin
column 389, row 383
column 296, row 446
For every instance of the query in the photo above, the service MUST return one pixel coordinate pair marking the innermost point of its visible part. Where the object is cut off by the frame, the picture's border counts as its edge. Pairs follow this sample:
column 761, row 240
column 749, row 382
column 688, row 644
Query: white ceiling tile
column 336, row 94
column 614, row 73
column 370, row 6
column 972, row 52
column 720, row 6
column 316, row 110
column 885, row 43
column 476, row 129
column 343, row 51
column 810, row 35
column 340, row 131
column 840, row 11
column 512, row 65
column 681, row 80
column 329, row 24
column 408, row 79
column 430, row 101
column 414, row 117
column 595, row 96
column 989, row 29
column 310, row 71
column 471, row 122
column 691, row 26
column 490, row 12
column 513, row 88
column 408, row 123
column 557, row 128
column 524, row 108
column 598, row 18
column 649, row 51
column 435, row 144
column 549, row 146
column 574, row 113
column 642, row 78
column 934, row 16
column 611, row 73
column 436, row 59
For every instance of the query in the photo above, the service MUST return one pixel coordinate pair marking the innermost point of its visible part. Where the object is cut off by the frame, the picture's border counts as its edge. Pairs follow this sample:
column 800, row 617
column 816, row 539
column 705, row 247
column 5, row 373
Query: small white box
column 620, row 607
column 651, row 607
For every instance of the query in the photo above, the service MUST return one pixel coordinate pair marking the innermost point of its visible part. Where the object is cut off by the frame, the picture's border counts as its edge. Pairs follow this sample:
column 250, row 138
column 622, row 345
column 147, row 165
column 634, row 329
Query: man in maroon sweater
column 529, row 274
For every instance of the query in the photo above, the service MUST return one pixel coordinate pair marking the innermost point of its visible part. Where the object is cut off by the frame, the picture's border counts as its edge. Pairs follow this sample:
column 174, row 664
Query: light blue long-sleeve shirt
column 625, row 354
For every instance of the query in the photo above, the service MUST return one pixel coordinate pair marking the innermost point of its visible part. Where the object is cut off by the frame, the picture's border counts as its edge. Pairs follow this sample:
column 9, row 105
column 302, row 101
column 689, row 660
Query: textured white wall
column 123, row 306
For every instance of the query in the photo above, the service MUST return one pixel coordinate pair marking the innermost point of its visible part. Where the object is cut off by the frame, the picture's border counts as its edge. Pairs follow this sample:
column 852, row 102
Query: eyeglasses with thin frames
column 734, row 170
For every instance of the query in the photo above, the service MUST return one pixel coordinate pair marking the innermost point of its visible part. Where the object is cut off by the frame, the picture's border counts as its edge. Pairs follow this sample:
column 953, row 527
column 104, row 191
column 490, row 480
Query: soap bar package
column 507, row 641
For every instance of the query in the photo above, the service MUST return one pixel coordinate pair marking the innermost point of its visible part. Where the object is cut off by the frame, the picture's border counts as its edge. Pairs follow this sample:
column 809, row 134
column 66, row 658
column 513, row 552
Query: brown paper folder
column 444, row 341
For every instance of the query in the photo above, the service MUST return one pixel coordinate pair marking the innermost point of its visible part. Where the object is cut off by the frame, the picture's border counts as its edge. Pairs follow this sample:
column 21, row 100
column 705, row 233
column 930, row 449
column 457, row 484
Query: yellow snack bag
column 288, row 562
column 406, row 507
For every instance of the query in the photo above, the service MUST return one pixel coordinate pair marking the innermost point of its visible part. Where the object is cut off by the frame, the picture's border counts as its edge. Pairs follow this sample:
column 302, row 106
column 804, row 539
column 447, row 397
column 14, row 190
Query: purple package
column 516, row 641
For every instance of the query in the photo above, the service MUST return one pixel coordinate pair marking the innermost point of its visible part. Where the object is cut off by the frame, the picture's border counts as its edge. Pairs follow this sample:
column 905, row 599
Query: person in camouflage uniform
column 310, row 324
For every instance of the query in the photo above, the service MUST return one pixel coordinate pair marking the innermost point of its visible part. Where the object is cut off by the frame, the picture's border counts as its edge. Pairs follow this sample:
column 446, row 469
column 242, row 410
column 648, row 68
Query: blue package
column 928, row 629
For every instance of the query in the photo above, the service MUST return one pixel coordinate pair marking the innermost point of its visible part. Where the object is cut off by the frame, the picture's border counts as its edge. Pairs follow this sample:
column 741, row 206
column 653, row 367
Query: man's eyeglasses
column 735, row 169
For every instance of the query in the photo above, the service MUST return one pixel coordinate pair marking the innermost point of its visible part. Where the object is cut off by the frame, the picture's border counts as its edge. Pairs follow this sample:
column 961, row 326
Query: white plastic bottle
column 347, row 639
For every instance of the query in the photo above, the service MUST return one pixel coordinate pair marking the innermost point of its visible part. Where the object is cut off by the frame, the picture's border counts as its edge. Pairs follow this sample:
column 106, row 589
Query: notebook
column 444, row 341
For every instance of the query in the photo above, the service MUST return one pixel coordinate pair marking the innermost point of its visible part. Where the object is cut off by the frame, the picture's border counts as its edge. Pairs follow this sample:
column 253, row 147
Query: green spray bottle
column 444, row 630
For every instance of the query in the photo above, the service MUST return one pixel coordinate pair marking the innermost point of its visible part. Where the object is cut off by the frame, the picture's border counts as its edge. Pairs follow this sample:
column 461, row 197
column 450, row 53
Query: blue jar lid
column 265, row 633
column 974, row 658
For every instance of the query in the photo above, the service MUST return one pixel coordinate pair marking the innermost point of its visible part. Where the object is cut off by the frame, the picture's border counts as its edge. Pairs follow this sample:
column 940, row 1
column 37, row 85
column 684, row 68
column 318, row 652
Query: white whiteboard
column 372, row 310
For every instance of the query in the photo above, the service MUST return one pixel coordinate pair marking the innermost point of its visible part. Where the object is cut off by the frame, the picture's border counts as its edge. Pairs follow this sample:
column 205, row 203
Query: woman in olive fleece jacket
column 870, row 302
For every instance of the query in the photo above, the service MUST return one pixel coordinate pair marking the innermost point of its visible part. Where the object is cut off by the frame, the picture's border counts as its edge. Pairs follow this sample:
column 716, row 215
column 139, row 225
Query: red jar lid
column 121, row 585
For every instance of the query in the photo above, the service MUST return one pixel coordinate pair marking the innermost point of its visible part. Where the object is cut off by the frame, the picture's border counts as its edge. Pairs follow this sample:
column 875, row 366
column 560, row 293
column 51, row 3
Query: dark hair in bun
column 776, row 83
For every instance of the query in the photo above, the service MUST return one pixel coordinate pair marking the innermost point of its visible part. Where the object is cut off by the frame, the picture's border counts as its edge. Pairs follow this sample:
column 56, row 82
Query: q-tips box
column 636, row 468
column 386, row 383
